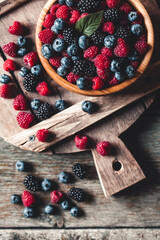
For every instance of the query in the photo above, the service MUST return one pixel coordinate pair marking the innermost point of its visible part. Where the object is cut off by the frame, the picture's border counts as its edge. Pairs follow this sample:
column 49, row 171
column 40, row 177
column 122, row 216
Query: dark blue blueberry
column 66, row 62
column 133, row 56
column 119, row 76
column 23, row 72
column 46, row 184
column 83, row 42
column 132, row 16
column 130, row 71
column 47, row 51
column 62, row 2
column 36, row 69
column 22, row 52
column 21, row 166
column 22, row 41
column 75, row 211
column 4, row 79
column 64, row 177
column 82, row 83
column 137, row 29
column 28, row 212
column 59, row 45
column 73, row 50
column 88, row 107
column 115, row 65
column 49, row 209
column 75, row 58
column 65, row 205
column 15, row 199
column 55, row 30
column 35, row 104
column 60, row 105
column 109, row 41
column 59, row 23
column 62, row 71
column 70, row 3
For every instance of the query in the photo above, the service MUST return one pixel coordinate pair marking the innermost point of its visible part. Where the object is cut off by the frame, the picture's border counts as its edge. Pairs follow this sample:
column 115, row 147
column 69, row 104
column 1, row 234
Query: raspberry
column 125, row 8
column 134, row 64
column 122, row 49
column 24, row 119
column 83, row 15
column 46, row 36
column 81, row 141
column 103, row 74
column 20, row 102
column 16, row 29
column 97, row 83
column 74, row 16
column 143, row 37
column 54, row 8
column 56, row 196
column 60, row 35
column 103, row 148
column 31, row 59
column 91, row 52
column 102, row 62
column 9, row 65
column 42, row 135
column 112, row 3
column 113, row 82
column 10, row 49
column 139, row 20
column 141, row 47
column 6, row 91
column 27, row 199
column 62, row 12
column 107, row 51
column 65, row 54
column 43, row 89
column 49, row 21
column 109, row 27
column 71, row 77
column 55, row 61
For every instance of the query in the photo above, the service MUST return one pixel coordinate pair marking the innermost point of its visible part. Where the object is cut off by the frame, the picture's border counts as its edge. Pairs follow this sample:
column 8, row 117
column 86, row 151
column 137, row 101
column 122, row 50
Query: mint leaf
column 89, row 24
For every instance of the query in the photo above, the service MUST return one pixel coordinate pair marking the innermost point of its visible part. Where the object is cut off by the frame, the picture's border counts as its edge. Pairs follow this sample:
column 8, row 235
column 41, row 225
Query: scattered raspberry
column 46, row 36
column 107, row 51
column 109, row 27
column 24, row 119
column 42, row 135
column 113, row 82
column 10, row 49
column 125, row 8
column 103, row 74
column 49, row 20
column 122, row 49
column 55, row 61
column 71, row 77
column 134, row 64
column 143, row 37
column 62, row 12
column 54, row 8
column 91, row 52
column 141, row 47
column 43, row 89
column 56, row 196
column 81, row 141
column 9, row 65
column 6, row 91
column 97, row 83
column 20, row 102
column 74, row 16
column 16, row 29
column 60, row 35
column 31, row 59
column 65, row 54
column 139, row 20
column 102, row 62
column 103, row 148
column 112, row 3
column 27, row 199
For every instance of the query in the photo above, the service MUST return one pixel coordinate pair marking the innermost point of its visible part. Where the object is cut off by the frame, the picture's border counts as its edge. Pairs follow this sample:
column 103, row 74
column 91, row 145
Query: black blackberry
column 123, row 61
column 31, row 183
column 97, row 38
column 79, row 170
column 78, row 67
column 90, row 69
column 70, row 36
column 76, row 194
column 112, row 15
column 30, row 82
column 121, row 32
column 88, row 6
column 45, row 111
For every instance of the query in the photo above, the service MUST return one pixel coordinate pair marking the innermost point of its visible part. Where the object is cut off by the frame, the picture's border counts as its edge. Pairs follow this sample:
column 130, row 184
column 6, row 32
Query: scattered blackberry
column 90, row 69
column 97, row 38
column 121, row 32
column 45, row 111
column 30, row 82
column 70, row 36
column 31, row 183
column 123, row 61
column 112, row 15
column 76, row 194
column 87, row 6
column 79, row 170
column 78, row 67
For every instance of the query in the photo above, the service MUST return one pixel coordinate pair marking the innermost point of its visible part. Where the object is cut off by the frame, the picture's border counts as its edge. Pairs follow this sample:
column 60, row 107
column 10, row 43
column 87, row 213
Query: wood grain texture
column 6, row 5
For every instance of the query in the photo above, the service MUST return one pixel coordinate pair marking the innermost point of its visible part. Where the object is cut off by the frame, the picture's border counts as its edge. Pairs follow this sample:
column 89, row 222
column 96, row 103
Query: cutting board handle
column 119, row 170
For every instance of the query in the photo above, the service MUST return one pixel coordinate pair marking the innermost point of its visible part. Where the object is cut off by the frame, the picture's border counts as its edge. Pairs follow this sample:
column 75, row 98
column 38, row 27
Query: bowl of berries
column 94, row 47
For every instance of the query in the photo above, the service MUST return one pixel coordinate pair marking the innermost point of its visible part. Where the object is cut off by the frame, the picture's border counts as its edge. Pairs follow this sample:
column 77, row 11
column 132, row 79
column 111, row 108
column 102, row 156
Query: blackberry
column 121, row 32
column 45, row 111
column 88, row 6
column 112, row 15
column 122, row 61
column 78, row 67
column 79, row 170
column 70, row 36
column 76, row 194
column 31, row 183
column 30, row 82
column 90, row 69
column 97, row 38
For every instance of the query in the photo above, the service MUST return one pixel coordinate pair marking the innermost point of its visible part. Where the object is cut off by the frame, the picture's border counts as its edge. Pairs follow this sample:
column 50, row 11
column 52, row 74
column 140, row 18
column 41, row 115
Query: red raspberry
column 112, row 3
column 24, row 119
column 31, row 59
column 20, row 102
column 49, row 20
column 46, row 36
column 27, row 199
column 6, row 91
column 62, row 12
column 54, row 8
column 83, row 15
column 91, row 52
column 42, row 135
column 122, row 49
column 71, row 77
column 139, row 20
column 107, row 51
column 113, row 82
column 141, row 47
column 65, row 54
column 102, row 62
column 103, row 148
column 143, row 37
column 60, row 35
column 16, row 29
column 81, row 141
column 97, row 83
column 109, row 27
column 103, row 74
column 56, row 61
column 125, row 8
column 56, row 196
column 10, row 49
column 43, row 89
column 74, row 16
column 134, row 64
column 9, row 65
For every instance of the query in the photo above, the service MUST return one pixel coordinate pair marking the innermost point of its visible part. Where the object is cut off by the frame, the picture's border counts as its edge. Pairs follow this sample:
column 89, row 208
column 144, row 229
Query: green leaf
column 89, row 24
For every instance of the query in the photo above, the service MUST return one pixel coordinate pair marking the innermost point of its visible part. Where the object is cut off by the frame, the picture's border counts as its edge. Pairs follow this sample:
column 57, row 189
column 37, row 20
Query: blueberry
column 15, row 199
column 60, row 105
column 137, row 29
column 59, row 23
column 35, row 104
column 28, row 212
column 23, row 72
column 115, row 65
column 133, row 56
column 130, row 71
column 62, row 2
column 74, row 211
column 83, row 42
column 4, row 79
column 82, row 83
column 109, row 41
column 54, row 29
column 47, row 51
column 21, row 166
column 75, row 58
column 22, row 41
column 65, row 205
column 62, row 71
column 119, row 76
column 88, row 107
column 59, row 45
column 46, row 184
column 73, row 50
column 132, row 16
column 64, row 177
column 22, row 52
column 36, row 69
column 69, row 3
column 66, row 62
column 49, row 209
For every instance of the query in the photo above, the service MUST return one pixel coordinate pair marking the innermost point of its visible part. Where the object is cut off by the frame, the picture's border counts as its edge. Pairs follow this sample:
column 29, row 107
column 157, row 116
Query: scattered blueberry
column 132, row 16
column 88, row 107
column 137, row 29
column 62, row 2
column 15, row 199
column 130, row 71
column 21, row 166
column 4, row 79
column 69, row 3
column 36, row 69
column 75, row 58
column 59, row 45
column 73, row 50
column 109, row 41
column 62, row 71
column 35, row 104
column 65, row 205
column 66, row 62
column 46, row 184
column 55, row 30
column 83, row 42
column 60, row 105
column 115, row 66
column 22, row 52
column 28, row 212
column 119, row 76
column 49, row 209
column 82, row 83
column 22, row 41
column 47, row 51
column 133, row 56
column 23, row 72
column 64, row 177
column 74, row 211
column 59, row 23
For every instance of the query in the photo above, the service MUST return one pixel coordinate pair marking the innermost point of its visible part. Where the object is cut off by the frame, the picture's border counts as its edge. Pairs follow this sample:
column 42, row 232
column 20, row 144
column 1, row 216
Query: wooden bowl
column 64, row 83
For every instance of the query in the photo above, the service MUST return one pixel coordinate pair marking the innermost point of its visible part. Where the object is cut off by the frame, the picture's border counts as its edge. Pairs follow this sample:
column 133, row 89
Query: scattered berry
column 103, row 148
column 20, row 102
column 49, row 209
column 66, row 62
column 56, row 196
column 109, row 41
column 42, row 135
column 103, row 74
column 74, row 16
column 112, row 15
column 27, row 199
column 91, row 52
column 75, row 212
column 49, row 21
column 133, row 56
column 115, row 65
column 20, row 166
column 9, row 65
column 31, row 59
column 46, row 36
column 64, row 177
column 137, row 29
column 31, row 183
column 71, row 77
column 15, row 199
column 109, row 27
column 62, row 12
column 22, row 52
column 88, row 107
column 69, row 3
column 82, row 83
column 81, row 141
column 130, row 71
column 45, row 111
column 22, row 41
column 29, row 212
column 24, row 119
column 70, row 36
column 141, row 47
column 59, row 45
column 97, row 38
column 97, row 83
column 46, row 184
column 113, row 3
column 62, row 71
column 134, row 64
column 88, row 6
column 76, row 194
column 60, row 105
column 83, row 42
column 6, row 91
column 23, row 72
column 65, row 205
column 125, row 8
column 16, row 29
column 102, row 62
column 54, row 8
column 10, row 49
column 113, row 82
column 79, row 170
column 36, row 70
column 120, row 76
column 5, row 79
column 43, row 89
column 47, row 51
column 122, row 49
column 122, row 32
column 55, row 61
column 132, row 16
column 30, row 82
column 35, row 104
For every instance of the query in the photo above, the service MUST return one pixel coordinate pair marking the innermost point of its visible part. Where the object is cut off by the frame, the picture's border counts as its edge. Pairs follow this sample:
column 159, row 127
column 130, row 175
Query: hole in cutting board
column 116, row 166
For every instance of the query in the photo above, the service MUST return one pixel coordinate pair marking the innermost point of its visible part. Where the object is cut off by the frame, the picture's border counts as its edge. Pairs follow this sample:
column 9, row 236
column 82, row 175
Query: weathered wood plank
column 6, row 5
